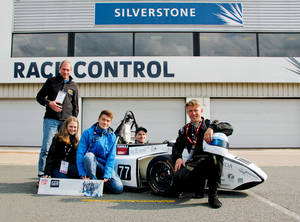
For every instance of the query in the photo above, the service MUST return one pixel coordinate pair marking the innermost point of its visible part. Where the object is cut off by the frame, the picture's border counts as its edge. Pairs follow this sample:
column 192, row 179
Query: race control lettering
column 96, row 69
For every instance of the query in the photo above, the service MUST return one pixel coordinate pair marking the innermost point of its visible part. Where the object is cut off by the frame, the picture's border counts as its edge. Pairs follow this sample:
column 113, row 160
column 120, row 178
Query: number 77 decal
column 124, row 171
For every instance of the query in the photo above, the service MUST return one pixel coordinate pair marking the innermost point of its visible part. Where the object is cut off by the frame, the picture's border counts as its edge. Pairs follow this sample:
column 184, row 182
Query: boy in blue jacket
column 96, row 153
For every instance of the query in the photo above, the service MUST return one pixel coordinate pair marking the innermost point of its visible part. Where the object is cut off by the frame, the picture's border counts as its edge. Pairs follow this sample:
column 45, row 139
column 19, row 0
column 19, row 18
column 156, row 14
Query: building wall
column 28, row 16
column 53, row 15
column 256, row 90
column 6, row 14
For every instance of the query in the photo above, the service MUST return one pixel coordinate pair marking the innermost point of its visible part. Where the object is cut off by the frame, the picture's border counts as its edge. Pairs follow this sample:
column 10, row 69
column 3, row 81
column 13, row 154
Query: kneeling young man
column 96, row 153
column 200, row 165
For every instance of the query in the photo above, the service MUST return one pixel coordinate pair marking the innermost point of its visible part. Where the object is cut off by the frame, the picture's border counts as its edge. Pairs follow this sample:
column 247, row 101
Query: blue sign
column 168, row 14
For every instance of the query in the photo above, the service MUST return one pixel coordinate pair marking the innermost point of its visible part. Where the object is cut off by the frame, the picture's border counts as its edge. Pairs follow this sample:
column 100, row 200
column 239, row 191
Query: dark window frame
column 196, row 40
column 71, row 44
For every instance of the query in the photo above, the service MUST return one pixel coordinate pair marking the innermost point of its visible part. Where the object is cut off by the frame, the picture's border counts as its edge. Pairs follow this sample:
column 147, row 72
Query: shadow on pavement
column 14, row 188
column 146, row 200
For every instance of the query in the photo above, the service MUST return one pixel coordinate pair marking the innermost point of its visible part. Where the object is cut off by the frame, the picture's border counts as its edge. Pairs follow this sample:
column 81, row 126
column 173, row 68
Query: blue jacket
column 104, row 149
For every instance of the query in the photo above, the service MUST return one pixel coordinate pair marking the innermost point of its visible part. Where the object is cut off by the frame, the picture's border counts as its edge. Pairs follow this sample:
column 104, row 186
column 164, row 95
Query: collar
column 61, row 79
column 197, row 124
column 137, row 142
column 102, row 131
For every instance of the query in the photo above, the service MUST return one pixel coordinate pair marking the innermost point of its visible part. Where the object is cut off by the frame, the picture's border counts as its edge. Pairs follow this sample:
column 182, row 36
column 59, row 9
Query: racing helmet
column 219, row 144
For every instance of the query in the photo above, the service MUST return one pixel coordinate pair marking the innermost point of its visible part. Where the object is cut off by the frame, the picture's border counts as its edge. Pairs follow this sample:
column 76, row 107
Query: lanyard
column 94, row 134
column 194, row 143
column 67, row 150
column 94, row 137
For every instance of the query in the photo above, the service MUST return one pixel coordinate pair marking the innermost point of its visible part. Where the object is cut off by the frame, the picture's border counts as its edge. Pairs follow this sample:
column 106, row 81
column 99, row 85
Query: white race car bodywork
column 132, row 162
column 240, row 174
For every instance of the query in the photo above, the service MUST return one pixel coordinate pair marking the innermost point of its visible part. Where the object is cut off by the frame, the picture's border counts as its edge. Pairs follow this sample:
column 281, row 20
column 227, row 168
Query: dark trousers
column 72, row 172
column 193, row 176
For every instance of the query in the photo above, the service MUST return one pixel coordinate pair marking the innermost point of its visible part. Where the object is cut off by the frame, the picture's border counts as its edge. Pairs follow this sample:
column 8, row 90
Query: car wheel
column 160, row 175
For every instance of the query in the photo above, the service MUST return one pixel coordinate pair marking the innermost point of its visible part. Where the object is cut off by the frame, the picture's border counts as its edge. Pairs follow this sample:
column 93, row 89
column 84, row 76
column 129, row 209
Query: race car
column 140, row 165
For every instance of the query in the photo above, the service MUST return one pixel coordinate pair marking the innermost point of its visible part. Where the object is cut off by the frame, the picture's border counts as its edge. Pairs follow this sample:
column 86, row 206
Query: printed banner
column 73, row 187
column 135, row 13
column 155, row 69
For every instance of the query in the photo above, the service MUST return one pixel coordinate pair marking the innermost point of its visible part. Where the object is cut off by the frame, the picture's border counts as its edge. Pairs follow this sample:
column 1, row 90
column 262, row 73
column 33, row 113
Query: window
column 40, row 45
column 279, row 44
column 155, row 44
column 103, row 44
column 228, row 44
column 163, row 44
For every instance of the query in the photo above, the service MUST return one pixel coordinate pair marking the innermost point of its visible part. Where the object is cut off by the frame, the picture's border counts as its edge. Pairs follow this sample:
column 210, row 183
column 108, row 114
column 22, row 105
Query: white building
column 240, row 58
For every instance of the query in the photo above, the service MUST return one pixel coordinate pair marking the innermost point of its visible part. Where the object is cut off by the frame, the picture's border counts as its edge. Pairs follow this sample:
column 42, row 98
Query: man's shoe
column 199, row 194
column 214, row 202
column 180, row 195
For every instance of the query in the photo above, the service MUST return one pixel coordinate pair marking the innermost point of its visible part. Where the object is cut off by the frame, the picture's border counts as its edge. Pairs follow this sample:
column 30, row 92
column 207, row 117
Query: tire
column 160, row 175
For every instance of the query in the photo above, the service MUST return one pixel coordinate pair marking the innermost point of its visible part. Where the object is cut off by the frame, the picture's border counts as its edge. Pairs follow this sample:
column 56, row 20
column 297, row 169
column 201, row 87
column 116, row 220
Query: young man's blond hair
column 193, row 102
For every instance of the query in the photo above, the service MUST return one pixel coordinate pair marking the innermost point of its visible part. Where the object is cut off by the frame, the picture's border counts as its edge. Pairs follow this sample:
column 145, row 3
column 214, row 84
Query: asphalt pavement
column 277, row 199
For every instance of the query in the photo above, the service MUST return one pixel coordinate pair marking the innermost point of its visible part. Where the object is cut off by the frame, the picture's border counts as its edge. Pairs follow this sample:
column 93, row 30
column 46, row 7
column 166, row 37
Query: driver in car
column 140, row 135
column 200, row 165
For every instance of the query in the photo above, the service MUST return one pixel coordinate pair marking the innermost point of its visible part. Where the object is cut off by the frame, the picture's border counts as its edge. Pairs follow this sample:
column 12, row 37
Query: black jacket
column 182, row 140
column 57, row 153
column 49, row 92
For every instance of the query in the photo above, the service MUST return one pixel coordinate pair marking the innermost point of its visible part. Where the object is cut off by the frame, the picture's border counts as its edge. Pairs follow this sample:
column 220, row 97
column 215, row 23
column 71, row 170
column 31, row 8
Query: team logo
column 70, row 91
column 91, row 189
column 230, row 176
column 228, row 165
column 54, row 183
column 43, row 181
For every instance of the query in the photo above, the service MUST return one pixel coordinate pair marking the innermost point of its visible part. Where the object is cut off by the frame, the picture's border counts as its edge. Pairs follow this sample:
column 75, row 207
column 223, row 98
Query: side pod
column 240, row 174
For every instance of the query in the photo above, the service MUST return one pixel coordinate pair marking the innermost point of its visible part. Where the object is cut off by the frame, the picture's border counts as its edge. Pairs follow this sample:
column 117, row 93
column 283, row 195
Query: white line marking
column 276, row 206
